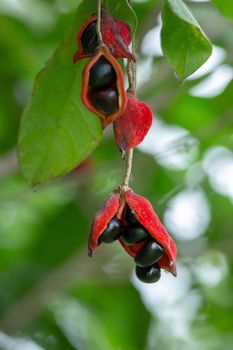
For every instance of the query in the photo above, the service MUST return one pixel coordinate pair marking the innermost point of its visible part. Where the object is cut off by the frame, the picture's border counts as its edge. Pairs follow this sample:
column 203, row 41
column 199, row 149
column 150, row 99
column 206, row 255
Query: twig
column 131, row 72
column 98, row 25
column 128, row 167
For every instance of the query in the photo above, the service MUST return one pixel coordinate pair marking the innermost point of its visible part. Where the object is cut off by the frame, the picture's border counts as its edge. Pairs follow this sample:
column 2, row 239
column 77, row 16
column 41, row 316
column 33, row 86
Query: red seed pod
column 133, row 125
column 86, row 39
column 146, row 215
column 115, row 32
column 116, row 35
column 116, row 206
column 101, row 219
column 104, row 96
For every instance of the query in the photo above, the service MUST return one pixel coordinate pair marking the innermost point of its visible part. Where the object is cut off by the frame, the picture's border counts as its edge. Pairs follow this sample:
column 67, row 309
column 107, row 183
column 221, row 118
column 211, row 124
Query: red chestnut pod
column 116, row 35
column 87, row 93
column 133, row 125
column 146, row 216
column 81, row 53
column 101, row 220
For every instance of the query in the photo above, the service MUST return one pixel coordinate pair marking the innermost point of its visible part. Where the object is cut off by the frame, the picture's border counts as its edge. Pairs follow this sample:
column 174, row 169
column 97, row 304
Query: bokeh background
column 52, row 296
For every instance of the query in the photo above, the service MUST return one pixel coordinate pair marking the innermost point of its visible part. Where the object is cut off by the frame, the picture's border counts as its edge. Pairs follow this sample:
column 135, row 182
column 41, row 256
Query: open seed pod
column 116, row 35
column 115, row 208
column 133, row 125
column 115, row 32
column 87, row 40
column 103, row 92
column 147, row 217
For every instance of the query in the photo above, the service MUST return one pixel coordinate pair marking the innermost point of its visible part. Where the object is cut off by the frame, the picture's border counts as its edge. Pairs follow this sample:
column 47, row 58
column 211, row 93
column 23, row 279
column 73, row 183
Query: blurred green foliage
column 52, row 296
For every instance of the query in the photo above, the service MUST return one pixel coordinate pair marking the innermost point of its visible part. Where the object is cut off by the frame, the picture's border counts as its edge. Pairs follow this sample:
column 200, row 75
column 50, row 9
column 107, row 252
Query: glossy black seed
column 149, row 254
column 112, row 232
column 149, row 274
column 102, row 74
column 89, row 39
column 105, row 101
column 130, row 217
column 134, row 235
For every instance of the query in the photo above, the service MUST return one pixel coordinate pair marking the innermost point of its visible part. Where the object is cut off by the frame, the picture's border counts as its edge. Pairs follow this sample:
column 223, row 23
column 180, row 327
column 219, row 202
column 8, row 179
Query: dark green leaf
column 183, row 41
column 57, row 132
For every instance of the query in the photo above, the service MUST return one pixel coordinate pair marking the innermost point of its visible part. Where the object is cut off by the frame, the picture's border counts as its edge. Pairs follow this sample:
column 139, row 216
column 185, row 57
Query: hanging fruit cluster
column 131, row 219
column 125, row 216
column 103, row 90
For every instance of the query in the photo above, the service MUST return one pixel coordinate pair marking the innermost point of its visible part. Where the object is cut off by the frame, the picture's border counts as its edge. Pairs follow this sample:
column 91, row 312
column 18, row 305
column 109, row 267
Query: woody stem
column 131, row 72
column 128, row 167
column 98, row 24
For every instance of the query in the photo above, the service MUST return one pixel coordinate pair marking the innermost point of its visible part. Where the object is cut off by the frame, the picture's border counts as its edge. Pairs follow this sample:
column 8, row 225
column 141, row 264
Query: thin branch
column 131, row 72
column 98, row 26
column 131, row 69
column 128, row 167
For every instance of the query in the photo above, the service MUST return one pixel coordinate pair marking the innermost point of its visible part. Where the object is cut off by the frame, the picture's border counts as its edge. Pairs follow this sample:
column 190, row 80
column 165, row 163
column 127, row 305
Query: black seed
column 149, row 254
column 112, row 232
column 105, row 101
column 89, row 39
column 134, row 235
column 149, row 274
column 102, row 74
column 130, row 216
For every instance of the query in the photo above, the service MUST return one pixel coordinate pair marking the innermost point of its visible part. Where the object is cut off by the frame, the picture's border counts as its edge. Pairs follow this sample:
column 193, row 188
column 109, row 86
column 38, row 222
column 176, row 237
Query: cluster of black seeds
column 102, row 84
column 102, row 80
column 147, row 269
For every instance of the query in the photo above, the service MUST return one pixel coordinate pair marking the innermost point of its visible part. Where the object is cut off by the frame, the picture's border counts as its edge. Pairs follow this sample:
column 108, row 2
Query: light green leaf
column 184, row 44
column 225, row 7
column 57, row 132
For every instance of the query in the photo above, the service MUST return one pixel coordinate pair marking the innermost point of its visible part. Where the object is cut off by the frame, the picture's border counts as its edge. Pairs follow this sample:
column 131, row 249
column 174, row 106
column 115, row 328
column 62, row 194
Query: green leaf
column 225, row 7
column 184, row 44
column 57, row 132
